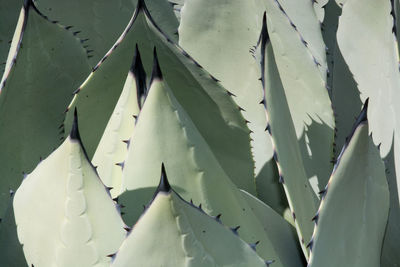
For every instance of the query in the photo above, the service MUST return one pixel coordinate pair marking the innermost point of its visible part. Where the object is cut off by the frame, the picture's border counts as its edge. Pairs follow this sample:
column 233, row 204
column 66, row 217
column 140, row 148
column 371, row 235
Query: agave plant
column 204, row 133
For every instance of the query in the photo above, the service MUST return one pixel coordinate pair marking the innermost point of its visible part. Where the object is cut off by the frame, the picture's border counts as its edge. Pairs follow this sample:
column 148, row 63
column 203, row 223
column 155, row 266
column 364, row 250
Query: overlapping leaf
column 46, row 64
column 64, row 213
column 165, row 134
column 192, row 86
column 205, row 32
column 351, row 220
column 185, row 236
column 99, row 23
column 300, row 195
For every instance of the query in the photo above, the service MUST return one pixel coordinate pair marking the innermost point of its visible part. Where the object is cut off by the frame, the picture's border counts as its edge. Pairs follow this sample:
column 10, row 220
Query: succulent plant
column 204, row 133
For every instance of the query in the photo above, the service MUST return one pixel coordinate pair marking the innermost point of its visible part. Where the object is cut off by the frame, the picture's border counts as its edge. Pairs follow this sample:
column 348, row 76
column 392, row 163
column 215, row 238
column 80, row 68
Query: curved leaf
column 352, row 217
column 112, row 149
column 282, row 234
column 192, row 86
column 219, row 34
column 185, row 236
column 47, row 64
column 99, row 23
column 301, row 197
column 64, row 214
column 165, row 134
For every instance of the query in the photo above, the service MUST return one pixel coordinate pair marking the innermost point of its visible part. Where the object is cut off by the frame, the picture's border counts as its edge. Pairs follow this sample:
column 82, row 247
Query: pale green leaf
column 300, row 56
column 42, row 74
column 219, row 35
column 64, row 213
column 191, row 85
column 112, row 149
column 365, row 28
column 282, row 234
column 186, row 236
column 164, row 133
column 301, row 197
column 352, row 217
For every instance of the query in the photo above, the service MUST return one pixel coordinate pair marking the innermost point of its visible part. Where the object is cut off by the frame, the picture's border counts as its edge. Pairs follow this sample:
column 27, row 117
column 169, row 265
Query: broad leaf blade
column 113, row 147
column 48, row 63
column 99, row 23
column 352, row 217
column 64, row 214
column 192, row 86
column 165, row 134
column 219, row 35
column 282, row 234
column 185, row 236
column 301, row 197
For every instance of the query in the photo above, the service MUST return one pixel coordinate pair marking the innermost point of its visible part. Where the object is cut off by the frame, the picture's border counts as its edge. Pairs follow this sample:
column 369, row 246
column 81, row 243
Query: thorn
column 74, row 134
column 218, row 218
column 156, row 73
column 311, row 243
column 281, row 180
column 75, row 33
column 230, row 93
column 315, row 218
column 254, row 245
column 164, row 185
column 128, row 229
column 121, row 164
column 127, row 142
column 235, row 230
column 241, row 109
column 269, row 262
column 68, row 27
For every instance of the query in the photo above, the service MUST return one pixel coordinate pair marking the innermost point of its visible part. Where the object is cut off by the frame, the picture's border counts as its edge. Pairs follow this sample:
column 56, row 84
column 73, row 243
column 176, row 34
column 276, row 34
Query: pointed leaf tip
column 156, row 74
column 164, row 185
column 141, row 5
column 74, row 134
column 28, row 4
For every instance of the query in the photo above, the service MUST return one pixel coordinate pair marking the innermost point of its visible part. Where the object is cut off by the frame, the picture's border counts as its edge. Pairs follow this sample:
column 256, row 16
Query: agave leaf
column 205, row 32
column 47, row 64
column 390, row 256
column 185, row 236
column 301, row 197
column 377, row 75
column 300, row 57
column 64, row 213
column 193, row 168
column 99, row 23
column 282, row 234
column 113, row 147
column 344, row 93
column 9, row 11
column 192, row 86
column 352, row 217
column 10, row 249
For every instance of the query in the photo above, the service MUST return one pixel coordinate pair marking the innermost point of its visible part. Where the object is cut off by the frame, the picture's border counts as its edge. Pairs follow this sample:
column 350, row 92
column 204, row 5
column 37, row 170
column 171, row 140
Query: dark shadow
column 268, row 188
